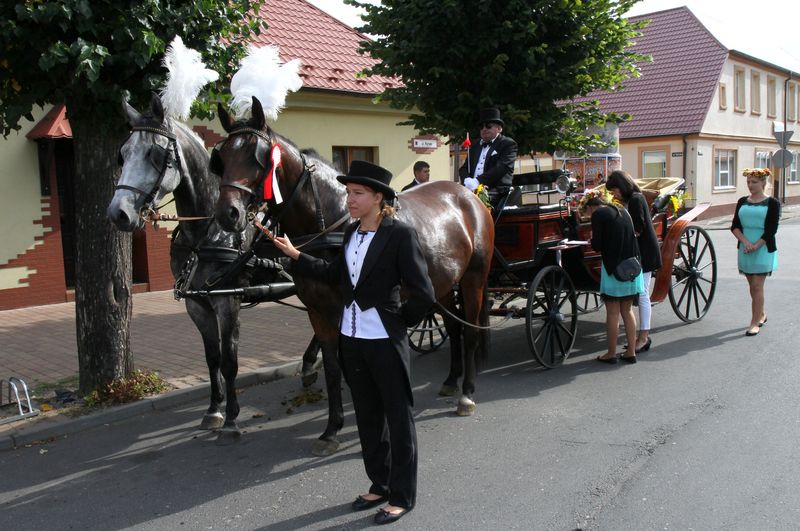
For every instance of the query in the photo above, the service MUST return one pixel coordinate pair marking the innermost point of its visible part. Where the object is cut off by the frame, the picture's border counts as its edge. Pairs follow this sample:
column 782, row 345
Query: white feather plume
column 187, row 75
column 262, row 75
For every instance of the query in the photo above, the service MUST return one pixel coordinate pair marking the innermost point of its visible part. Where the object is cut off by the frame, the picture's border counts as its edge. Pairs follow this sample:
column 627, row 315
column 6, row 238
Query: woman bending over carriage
column 625, row 190
column 380, row 255
column 614, row 238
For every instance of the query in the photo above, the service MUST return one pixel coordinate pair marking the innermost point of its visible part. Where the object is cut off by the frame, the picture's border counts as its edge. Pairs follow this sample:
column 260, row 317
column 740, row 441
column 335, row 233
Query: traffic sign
column 782, row 158
column 783, row 137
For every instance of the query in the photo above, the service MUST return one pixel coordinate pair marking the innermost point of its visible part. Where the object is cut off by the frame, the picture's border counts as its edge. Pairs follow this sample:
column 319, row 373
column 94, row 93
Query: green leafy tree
column 87, row 55
column 536, row 60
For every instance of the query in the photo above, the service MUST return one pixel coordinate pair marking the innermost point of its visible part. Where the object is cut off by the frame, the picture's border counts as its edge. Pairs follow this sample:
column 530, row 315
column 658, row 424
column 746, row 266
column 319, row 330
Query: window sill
column 739, row 110
column 724, row 190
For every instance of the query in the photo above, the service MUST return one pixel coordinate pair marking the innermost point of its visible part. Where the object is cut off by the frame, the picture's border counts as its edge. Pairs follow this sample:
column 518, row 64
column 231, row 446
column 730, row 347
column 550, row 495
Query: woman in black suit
column 624, row 189
column 380, row 256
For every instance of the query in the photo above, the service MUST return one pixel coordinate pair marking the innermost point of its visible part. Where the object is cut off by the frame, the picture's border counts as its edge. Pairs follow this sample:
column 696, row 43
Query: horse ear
column 156, row 108
column 258, row 120
column 133, row 115
column 224, row 118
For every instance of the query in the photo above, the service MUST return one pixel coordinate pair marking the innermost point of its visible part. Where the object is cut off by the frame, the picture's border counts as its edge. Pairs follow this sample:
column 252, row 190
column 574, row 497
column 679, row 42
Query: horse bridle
column 256, row 203
column 161, row 158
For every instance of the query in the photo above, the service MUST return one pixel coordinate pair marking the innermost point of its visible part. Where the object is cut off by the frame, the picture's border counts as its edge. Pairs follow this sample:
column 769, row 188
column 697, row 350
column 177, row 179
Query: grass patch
column 42, row 389
column 129, row 389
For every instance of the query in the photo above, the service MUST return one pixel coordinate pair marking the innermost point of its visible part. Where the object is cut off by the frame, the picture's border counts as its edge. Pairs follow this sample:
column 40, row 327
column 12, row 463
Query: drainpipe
column 685, row 157
column 785, row 111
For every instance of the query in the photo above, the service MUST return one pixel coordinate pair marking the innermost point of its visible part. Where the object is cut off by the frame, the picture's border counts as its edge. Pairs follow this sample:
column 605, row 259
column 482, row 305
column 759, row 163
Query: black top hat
column 491, row 114
column 371, row 175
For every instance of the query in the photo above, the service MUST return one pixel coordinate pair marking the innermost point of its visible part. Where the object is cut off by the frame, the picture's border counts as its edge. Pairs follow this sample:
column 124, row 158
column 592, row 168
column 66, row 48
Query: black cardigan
column 613, row 237
column 770, row 222
column 643, row 226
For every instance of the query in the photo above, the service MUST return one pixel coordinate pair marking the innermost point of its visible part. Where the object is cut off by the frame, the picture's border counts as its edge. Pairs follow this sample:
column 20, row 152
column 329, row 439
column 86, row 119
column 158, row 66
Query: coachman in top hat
column 491, row 161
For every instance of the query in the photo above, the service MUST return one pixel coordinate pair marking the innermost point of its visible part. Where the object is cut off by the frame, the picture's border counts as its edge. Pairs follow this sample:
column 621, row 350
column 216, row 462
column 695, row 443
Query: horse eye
column 157, row 156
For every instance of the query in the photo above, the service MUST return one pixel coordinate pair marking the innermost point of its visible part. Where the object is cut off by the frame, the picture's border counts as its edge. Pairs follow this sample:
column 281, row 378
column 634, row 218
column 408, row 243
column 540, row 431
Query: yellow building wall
column 20, row 200
column 321, row 121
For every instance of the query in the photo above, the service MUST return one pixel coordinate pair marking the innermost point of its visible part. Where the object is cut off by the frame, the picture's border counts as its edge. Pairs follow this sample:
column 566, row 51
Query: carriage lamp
column 566, row 184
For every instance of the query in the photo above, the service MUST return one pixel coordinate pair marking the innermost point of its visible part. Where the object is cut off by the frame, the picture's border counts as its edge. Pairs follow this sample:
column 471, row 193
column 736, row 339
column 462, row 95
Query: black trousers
column 376, row 376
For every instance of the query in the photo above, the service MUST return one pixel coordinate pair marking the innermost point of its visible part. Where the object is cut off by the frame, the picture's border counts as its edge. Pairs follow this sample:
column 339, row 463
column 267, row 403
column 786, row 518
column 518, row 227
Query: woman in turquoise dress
column 613, row 236
column 755, row 223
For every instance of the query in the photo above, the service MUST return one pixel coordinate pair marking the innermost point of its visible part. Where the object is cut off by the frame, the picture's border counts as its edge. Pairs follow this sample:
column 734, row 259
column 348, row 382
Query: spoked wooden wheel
column 551, row 317
column 429, row 334
column 694, row 275
column 588, row 301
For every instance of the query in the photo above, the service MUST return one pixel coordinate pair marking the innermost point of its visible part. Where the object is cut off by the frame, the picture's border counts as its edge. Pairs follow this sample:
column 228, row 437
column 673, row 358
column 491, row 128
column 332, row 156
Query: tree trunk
column 103, row 301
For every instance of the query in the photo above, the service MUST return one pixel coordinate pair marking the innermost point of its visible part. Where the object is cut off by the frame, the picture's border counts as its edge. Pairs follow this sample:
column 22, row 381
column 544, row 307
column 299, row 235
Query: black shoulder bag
column 629, row 268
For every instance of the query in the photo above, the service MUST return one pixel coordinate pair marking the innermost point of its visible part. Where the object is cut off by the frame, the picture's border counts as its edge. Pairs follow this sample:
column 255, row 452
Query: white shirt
column 482, row 157
column 355, row 322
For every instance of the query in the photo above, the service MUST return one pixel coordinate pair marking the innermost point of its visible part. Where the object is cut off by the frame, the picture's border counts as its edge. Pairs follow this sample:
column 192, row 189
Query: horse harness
column 161, row 158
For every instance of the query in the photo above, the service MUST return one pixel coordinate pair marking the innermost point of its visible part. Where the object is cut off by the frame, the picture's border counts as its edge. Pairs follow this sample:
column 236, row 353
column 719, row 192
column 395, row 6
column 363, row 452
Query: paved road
column 701, row 433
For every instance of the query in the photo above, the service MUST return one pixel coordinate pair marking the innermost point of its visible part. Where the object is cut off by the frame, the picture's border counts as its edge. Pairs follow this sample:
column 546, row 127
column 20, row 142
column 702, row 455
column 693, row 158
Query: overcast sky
column 766, row 29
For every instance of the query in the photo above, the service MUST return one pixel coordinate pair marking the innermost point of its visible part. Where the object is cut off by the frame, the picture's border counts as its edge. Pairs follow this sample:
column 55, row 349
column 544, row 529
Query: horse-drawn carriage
column 544, row 271
column 538, row 272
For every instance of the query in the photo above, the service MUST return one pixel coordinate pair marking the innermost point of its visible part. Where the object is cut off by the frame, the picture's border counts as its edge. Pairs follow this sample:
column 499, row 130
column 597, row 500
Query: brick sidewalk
column 38, row 344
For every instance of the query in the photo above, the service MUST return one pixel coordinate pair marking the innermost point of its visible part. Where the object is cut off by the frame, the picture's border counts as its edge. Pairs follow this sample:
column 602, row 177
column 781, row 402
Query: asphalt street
column 700, row 434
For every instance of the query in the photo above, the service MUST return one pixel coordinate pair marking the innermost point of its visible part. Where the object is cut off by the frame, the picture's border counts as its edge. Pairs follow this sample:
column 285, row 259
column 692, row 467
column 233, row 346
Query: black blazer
column 498, row 170
column 643, row 226
column 613, row 237
column 412, row 184
column 394, row 259
column 770, row 222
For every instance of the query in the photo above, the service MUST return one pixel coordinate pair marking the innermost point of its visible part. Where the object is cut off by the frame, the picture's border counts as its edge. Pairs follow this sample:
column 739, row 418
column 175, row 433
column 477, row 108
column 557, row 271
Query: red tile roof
column 53, row 125
column 674, row 92
column 327, row 48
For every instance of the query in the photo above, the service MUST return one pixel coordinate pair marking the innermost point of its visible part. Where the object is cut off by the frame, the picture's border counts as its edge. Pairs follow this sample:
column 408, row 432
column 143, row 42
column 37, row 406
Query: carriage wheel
column 428, row 335
column 551, row 317
column 694, row 275
column 589, row 301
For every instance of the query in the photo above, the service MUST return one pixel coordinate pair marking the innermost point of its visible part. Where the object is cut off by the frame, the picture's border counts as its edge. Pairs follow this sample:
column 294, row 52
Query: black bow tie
column 485, row 143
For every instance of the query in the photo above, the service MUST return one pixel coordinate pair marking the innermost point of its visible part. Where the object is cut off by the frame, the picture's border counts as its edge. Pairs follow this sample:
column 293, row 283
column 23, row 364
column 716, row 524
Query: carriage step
column 14, row 384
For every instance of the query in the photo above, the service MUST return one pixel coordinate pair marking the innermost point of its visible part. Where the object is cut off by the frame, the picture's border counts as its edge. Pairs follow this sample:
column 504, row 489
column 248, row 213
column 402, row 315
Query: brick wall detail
column 157, row 242
column 46, row 284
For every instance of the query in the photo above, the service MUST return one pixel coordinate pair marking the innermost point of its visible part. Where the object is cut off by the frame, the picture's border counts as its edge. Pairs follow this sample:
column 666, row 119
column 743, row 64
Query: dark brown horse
column 455, row 230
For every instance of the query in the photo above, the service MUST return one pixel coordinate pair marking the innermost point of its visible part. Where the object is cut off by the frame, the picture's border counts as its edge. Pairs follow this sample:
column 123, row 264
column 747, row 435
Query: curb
column 48, row 430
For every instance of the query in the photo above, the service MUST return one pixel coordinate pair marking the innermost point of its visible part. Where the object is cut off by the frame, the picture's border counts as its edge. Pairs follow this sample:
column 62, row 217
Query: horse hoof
column 448, row 390
column 323, row 448
column 212, row 421
column 229, row 435
column 466, row 407
column 309, row 379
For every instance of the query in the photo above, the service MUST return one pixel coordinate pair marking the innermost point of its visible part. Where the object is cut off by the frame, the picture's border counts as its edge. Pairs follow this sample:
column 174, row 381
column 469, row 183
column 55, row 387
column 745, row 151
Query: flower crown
column 756, row 172
column 592, row 194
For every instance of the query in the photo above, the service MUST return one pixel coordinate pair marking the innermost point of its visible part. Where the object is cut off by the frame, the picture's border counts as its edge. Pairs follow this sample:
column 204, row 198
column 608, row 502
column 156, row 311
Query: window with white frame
column 763, row 159
column 724, row 168
column 791, row 102
column 723, row 97
column 654, row 164
column 772, row 97
column 755, row 92
column 738, row 89
column 791, row 174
